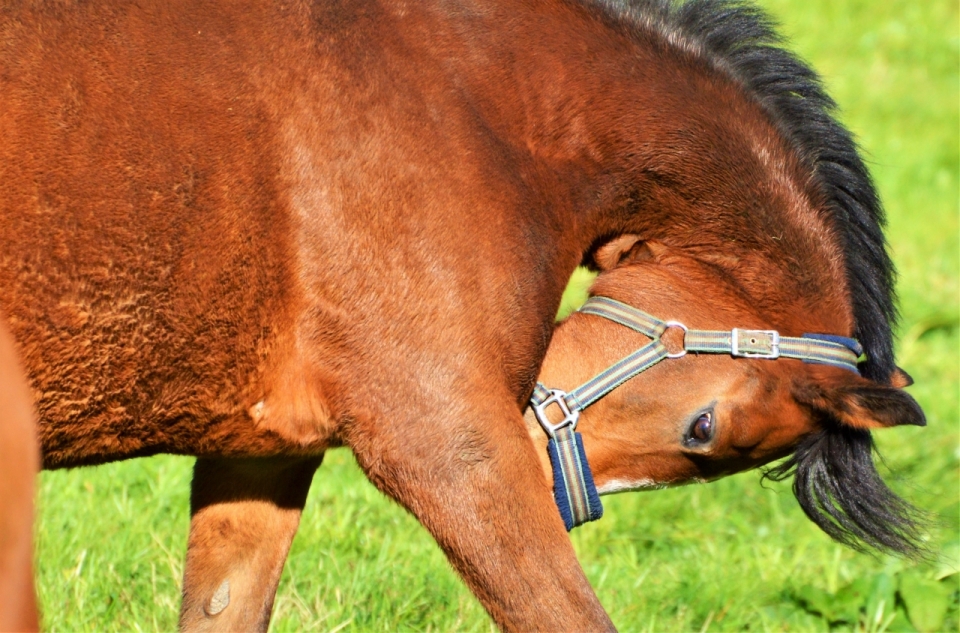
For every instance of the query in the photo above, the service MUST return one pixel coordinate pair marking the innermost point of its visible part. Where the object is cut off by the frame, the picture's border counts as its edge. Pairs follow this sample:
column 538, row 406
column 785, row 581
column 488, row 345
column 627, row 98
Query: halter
column 574, row 491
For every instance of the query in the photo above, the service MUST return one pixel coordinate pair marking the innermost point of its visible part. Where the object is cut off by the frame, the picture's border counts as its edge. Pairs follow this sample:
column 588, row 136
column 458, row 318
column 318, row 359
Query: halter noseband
column 574, row 491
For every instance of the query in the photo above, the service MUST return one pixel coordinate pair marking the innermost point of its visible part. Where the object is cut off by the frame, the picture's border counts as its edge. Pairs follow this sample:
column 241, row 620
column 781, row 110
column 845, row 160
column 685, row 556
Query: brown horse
column 19, row 461
column 251, row 231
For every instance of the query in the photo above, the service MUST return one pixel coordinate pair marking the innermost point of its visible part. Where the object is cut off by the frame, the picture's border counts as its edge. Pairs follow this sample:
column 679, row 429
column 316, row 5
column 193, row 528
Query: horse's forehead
column 764, row 410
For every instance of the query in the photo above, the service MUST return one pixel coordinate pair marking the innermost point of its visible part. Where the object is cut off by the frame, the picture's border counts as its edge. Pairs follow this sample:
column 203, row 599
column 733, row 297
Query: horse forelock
column 739, row 39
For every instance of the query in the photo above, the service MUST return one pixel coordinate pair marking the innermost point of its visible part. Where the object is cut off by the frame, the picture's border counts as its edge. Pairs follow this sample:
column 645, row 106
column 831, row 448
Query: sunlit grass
column 731, row 555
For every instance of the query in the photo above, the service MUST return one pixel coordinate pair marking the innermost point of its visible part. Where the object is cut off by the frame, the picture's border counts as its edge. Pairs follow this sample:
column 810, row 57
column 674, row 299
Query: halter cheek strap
column 573, row 488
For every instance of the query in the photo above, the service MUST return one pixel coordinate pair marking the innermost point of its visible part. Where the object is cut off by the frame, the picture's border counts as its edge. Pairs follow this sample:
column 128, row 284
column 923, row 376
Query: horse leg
column 244, row 514
column 19, row 461
column 480, row 490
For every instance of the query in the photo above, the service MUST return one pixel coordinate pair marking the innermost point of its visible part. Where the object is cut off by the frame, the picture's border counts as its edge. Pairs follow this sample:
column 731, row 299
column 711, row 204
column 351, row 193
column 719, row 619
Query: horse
column 253, row 231
column 19, row 462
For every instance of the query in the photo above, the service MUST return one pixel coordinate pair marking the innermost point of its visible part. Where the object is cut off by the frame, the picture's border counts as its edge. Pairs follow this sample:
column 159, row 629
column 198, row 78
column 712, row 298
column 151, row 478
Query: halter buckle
column 760, row 343
column 683, row 347
column 570, row 417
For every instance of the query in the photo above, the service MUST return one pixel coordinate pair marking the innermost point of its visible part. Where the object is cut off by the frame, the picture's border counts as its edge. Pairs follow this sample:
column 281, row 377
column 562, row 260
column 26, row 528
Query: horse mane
column 835, row 480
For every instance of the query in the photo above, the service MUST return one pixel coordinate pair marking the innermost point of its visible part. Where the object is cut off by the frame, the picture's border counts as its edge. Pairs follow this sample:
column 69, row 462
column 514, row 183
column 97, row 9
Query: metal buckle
column 570, row 418
column 683, row 350
column 736, row 333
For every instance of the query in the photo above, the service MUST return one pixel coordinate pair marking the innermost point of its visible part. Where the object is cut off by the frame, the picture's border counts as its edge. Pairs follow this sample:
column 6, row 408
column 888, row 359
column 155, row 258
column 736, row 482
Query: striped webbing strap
column 828, row 349
column 839, row 351
column 573, row 488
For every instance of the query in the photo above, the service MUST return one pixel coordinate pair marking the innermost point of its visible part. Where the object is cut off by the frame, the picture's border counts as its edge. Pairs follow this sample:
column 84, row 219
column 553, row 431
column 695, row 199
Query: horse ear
column 626, row 249
column 857, row 402
column 900, row 378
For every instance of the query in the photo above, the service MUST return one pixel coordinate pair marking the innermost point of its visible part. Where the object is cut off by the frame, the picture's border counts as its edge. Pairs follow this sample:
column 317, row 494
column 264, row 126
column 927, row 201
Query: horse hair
column 835, row 482
column 840, row 490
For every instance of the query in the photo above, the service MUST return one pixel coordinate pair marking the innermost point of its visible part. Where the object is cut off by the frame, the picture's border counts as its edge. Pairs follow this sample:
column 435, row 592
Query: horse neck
column 644, row 136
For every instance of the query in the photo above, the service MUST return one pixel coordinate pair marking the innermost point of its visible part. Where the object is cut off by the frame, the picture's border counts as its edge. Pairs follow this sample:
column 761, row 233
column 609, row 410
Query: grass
column 732, row 555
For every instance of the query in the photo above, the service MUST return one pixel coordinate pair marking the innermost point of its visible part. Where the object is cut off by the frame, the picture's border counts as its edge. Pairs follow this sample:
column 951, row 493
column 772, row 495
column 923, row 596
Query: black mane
column 835, row 480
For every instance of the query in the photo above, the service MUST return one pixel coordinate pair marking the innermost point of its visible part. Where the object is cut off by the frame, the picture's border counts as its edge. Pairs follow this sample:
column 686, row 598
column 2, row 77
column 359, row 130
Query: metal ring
column 667, row 326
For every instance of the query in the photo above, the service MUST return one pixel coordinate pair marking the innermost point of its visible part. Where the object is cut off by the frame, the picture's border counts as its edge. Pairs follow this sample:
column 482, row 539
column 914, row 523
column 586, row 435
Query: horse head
column 694, row 417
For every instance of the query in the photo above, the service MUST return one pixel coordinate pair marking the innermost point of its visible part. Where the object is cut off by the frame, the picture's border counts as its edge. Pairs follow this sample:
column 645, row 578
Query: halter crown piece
column 573, row 487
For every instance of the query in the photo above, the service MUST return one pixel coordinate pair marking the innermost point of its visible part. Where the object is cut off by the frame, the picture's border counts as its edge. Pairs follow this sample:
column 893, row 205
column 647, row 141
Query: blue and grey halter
column 573, row 487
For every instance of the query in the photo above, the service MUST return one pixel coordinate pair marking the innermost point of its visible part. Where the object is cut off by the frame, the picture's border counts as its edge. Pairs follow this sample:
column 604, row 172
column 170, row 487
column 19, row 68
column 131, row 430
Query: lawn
column 731, row 555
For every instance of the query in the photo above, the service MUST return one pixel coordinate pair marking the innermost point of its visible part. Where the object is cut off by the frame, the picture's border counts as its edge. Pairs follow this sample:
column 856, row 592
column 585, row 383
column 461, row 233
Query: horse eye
column 702, row 429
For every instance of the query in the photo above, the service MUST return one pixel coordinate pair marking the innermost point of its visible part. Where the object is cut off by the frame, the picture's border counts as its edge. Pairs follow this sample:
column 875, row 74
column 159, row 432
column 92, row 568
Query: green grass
column 731, row 555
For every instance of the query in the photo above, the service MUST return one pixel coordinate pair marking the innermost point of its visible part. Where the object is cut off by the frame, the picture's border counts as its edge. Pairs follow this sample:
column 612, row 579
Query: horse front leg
column 475, row 482
column 244, row 514
column 19, row 461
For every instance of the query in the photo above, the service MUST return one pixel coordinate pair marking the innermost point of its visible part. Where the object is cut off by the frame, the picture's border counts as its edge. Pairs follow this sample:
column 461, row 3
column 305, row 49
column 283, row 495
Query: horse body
column 234, row 191
column 250, row 233
column 232, row 228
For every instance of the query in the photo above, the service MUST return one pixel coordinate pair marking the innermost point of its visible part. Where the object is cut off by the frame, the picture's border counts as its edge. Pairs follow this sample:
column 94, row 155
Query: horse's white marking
column 220, row 599
column 620, row 485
